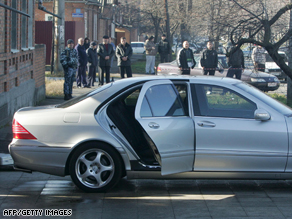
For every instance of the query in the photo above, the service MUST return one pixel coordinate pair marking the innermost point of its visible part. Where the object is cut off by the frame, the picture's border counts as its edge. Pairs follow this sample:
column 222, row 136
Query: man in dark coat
column 82, row 64
column 92, row 62
column 235, row 62
column 164, row 49
column 209, row 59
column 185, row 59
column 105, row 52
column 124, row 53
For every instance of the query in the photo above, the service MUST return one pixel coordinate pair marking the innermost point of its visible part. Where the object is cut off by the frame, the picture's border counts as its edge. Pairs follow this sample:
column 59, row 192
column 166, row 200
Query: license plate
column 272, row 84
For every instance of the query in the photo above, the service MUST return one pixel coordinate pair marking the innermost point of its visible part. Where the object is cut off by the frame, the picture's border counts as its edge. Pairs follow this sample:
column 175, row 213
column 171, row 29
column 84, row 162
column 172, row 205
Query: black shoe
column 87, row 86
column 70, row 96
column 66, row 97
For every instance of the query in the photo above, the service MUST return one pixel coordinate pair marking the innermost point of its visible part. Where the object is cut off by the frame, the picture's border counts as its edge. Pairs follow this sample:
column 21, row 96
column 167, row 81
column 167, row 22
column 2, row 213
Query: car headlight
column 276, row 79
column 257, row 80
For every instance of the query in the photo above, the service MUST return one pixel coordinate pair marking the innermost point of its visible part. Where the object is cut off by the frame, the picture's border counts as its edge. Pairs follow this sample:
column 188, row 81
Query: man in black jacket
column 209, row 60
column 82, row 63
column 92, row 63
column 185, row 59
column 124, row 53
column 235, row 62
column 105, row 52
column 164, row 49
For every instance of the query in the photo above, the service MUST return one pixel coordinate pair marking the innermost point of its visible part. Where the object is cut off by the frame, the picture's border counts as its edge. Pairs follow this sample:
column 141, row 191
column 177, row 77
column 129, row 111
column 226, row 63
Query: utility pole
column 59, row 25
column 289, row 82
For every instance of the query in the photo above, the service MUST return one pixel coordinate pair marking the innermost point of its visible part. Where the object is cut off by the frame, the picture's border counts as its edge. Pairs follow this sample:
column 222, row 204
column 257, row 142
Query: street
column 146, row 198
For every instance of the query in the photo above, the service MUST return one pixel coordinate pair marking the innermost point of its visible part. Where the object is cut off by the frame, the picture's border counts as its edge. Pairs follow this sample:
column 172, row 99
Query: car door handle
column 206, row 124
column 153, row 125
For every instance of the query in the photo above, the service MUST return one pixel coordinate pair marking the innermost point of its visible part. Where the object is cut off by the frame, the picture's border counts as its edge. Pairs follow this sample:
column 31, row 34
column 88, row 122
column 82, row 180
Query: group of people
column 85, row 57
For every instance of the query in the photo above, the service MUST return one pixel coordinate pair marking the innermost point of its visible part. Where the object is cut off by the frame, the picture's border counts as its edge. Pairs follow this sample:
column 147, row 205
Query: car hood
column 258, row 74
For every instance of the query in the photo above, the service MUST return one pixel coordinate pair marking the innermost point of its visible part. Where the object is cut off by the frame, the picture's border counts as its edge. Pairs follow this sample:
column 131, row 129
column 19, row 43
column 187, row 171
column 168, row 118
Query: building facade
column 22, row 62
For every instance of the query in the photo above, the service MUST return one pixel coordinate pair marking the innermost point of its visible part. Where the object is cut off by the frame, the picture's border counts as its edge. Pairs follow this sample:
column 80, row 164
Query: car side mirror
column 262, row 115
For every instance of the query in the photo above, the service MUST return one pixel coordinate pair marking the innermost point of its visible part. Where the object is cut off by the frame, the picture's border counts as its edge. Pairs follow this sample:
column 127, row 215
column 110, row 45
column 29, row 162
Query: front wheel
column 95, row 167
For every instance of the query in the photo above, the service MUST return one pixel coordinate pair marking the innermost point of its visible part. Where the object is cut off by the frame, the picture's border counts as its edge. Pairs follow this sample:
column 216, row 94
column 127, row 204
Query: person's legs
column 205, row 72
column 122, row 71
column 147, row 68
column 101, row 75
column 212, row 72
column 107, row 74
column 129, row 71
column 78, row 78
column 72, row 76
column 152, row 64
column 93, row 75
column 230, row 73
column 186, row 71
column 238, row 73
column 261, row 67
column 90, row 75
column 83, row 76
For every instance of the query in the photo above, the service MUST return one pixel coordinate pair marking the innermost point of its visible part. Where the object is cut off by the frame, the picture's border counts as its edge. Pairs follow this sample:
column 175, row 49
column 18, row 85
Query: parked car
column 138, row 47
column 261, row 80
column 158, row 128
column 274, row 69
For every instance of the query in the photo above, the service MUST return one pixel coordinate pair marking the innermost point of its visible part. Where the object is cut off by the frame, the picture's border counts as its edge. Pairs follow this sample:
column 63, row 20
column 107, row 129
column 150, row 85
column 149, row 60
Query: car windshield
column 269, row 58
column 280, row 107
column 83, row 97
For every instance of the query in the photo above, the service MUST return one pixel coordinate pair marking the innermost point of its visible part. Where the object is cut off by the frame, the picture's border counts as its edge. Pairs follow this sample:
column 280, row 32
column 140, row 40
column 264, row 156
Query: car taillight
column 158, row 68
column 19, row 132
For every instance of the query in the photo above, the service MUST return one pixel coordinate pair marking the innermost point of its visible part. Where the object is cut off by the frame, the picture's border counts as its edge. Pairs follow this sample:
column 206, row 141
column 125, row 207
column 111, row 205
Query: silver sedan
column 157, row 127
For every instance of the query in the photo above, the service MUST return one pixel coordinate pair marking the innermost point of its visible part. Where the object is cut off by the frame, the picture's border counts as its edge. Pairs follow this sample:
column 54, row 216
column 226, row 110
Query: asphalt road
column 147, row 198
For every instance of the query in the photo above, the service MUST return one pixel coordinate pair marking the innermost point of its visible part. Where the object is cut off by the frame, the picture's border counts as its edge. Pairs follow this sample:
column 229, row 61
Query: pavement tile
column 264, row 212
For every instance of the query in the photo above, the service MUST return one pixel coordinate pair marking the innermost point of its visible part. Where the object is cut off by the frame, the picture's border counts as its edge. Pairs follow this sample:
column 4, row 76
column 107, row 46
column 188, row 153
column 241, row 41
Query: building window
column 14, row 26
column 23, row 24
column 5, row 86
column 16, row 82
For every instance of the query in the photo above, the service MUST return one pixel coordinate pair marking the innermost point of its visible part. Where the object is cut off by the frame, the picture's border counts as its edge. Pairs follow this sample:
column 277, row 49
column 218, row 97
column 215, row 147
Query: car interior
column 122, row 113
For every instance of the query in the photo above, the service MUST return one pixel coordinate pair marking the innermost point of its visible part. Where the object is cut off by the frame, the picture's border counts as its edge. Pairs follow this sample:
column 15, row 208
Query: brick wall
column 22, row 78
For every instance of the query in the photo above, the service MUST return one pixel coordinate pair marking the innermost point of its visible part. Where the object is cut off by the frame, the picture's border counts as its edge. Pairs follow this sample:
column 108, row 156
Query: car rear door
column 163, row 114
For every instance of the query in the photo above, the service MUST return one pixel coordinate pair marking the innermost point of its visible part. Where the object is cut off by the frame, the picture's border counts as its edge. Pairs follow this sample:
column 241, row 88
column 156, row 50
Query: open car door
column 162, row 113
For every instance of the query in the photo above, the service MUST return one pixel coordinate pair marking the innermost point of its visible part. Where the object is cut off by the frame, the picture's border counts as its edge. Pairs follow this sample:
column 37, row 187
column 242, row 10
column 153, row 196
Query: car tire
column 95, row 167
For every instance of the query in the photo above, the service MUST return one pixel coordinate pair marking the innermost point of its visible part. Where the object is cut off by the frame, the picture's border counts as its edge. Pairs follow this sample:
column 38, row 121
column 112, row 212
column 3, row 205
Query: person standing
column 92, row 63
column 209, row 60
column 259, row 58
column 164, row 49
column 124, row 53
column 150, row 55
column 86, row 43
column 105, row 51
column 185, row 59
column 110, row 41
column 69, row 61
column 82, row 64
column 235, row 62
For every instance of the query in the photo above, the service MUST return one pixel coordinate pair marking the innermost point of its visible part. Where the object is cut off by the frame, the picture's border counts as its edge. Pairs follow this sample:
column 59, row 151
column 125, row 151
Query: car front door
column 229, row 138
column 163, row 114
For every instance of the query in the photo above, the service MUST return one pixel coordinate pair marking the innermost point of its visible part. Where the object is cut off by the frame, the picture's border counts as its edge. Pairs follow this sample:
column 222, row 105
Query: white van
column 138, row 47
column 273, row 68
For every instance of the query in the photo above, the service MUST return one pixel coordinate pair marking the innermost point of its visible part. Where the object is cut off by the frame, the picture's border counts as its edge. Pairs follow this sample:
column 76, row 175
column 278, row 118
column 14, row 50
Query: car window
column 132, row 99
column 216, row 101
column 162, row 100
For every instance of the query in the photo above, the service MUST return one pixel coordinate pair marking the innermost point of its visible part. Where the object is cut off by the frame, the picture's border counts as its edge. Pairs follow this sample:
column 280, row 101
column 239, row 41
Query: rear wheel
column 95, row 167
